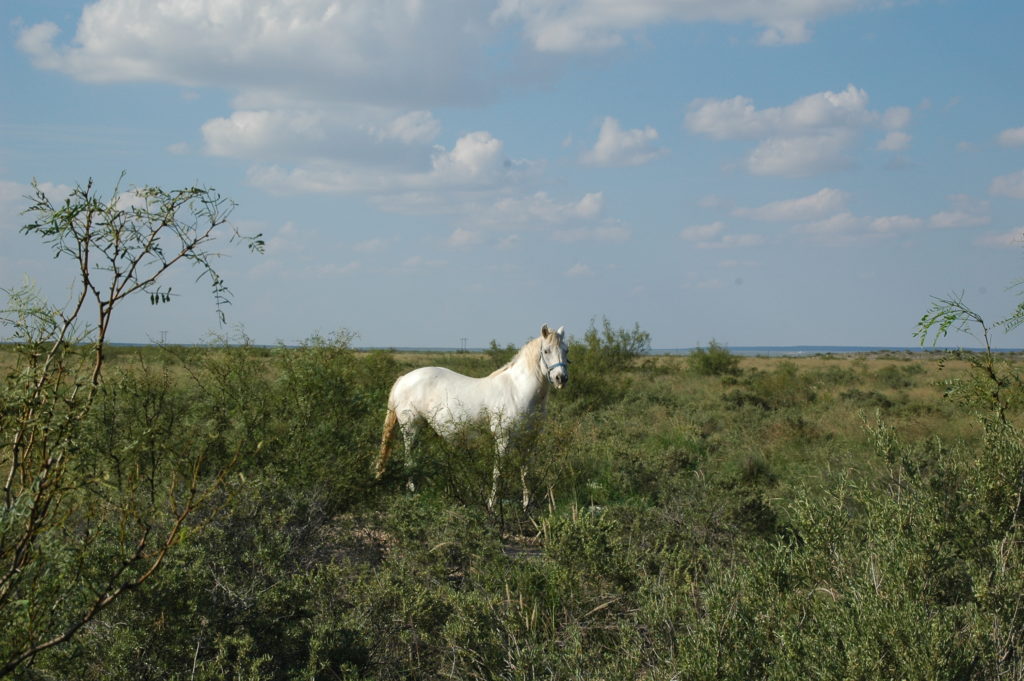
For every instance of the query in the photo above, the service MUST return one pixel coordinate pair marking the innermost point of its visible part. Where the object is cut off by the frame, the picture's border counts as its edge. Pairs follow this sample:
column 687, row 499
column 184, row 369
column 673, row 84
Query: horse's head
column 554, row 356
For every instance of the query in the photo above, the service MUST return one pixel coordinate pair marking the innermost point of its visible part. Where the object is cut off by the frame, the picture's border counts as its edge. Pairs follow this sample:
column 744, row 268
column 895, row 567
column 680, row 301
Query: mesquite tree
column 993, row 386
column 74, row 538
column 992, row 481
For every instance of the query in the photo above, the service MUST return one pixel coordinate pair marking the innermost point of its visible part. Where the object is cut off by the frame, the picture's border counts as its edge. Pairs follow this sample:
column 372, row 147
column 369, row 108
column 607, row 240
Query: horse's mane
column 529, row 353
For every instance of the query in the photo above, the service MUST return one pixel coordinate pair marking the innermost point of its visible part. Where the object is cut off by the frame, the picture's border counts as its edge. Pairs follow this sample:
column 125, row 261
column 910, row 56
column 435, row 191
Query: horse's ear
column 544, row 331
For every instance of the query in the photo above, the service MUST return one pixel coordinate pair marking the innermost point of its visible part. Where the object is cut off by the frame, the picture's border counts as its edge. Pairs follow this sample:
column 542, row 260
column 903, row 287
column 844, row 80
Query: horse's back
column 427, row 379
column 429, row 391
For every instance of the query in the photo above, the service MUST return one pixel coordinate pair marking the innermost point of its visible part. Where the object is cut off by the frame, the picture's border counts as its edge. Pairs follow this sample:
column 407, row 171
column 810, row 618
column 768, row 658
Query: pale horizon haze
column 433, row 173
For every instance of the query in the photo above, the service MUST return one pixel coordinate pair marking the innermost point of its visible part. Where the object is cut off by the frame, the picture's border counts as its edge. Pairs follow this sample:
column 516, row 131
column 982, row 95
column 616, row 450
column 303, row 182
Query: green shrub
column 87, row 515
column 617, row 348
column 898, row 376
column 715, row 360
column 600, row 361
column 783, row 387
column 327, row 421
column 500, row 356
column 867, row 399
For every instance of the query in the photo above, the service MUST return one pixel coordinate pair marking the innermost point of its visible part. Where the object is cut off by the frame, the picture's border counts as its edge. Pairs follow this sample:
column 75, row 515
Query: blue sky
column 771, row 173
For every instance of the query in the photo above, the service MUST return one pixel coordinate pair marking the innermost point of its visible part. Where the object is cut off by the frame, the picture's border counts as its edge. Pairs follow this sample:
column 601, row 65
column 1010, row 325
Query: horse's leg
column 519, row 440
column 491, row 500
column 386, row 442
column 500, row 445
column 526, row 490
column 502, row 441
column 410, row 430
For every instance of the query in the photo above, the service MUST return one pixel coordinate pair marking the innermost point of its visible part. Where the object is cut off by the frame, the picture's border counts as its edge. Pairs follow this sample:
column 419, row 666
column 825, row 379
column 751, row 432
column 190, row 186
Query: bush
column 599, row 362
column 616, row 347
column 500, row 356
column 716, row 360
column 780, row 388
column 88, row 516
column 329, row 405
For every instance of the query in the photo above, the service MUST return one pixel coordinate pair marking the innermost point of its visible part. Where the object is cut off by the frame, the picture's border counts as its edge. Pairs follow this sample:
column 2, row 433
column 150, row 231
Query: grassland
column 830, row 517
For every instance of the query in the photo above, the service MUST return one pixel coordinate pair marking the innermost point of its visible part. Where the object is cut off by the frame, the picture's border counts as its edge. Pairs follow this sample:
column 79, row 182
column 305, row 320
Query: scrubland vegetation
column 824, row 517
column 211, row 513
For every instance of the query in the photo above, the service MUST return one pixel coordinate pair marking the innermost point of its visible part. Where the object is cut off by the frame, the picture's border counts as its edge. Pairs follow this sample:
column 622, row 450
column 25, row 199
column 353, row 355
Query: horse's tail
column 390, row 424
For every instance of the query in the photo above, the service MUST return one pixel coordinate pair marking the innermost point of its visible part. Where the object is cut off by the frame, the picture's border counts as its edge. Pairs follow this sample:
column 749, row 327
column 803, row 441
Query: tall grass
column 830, row 518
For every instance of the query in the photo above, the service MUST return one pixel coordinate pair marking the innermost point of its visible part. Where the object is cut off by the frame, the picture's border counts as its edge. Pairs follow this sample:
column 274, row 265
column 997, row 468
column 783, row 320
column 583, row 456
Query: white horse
column 447, row 400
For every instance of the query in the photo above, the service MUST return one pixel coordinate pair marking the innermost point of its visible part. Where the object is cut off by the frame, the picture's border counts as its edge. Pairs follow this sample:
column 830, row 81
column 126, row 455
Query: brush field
column 718, row 517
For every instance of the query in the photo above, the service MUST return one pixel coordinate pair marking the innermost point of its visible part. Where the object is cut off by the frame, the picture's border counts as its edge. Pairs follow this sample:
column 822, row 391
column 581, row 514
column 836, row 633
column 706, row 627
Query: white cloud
column 737, row 118
column 476, row 206
column 475, row 163
column 605, row 233
column 896, row 118
column 590, row 205
column 331, row 270
column 824, row 202
column 895, row 223
column 713, row 235
column 807, row 136
column 565, row 221
column 510, row 242
column 1012, row 137
column 783, row 32
column 539, row 208
column 799, row 156
column 15, row 197
column 1014, row 238
column 579, row 270
column 713, row 201
column 291, row 254
column 288, row 239
column 956, row 219
column 418, row 262
column 12, row 202
column 372, row 245
column 1011, row 185
column 415, row 126
column 618, row 147
column 254, row 133
column 373, row 51
column 592, row 25
column 37, row 41
column 839, row 225
column 336, row 97
column 736, row 241
column 329, row 96
column 475, row 157
column 696, row 283
column 896, row 140
column 462, row 238
column 702, row 232
column 284, row 131
column 844, row 226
